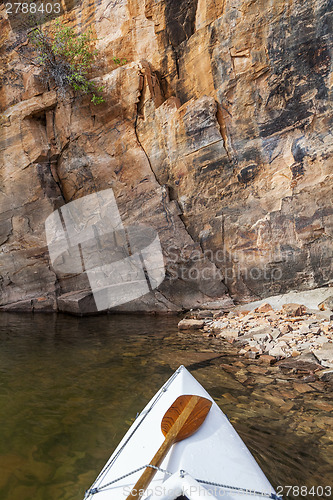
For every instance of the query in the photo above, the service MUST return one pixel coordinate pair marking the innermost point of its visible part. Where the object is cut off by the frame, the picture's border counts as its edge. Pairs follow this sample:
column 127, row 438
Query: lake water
column 70, row 387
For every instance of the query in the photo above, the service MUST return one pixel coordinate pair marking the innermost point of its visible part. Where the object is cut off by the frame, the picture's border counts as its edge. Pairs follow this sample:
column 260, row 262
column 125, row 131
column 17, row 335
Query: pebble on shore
column 296, row 332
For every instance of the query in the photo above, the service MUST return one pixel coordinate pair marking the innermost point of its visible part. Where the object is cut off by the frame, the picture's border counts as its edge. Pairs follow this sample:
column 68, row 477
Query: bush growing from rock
column 66, row 59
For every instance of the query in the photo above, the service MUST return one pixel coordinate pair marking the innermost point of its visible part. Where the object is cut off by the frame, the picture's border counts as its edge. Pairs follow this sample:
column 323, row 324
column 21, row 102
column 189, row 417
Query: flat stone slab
column 228, row 333
column 77, row 303
column 190, row 324
column 309, row 298
column 327, row 304
column 306, row 361
column 224, row 304
column 38, row 304
column 325, row 355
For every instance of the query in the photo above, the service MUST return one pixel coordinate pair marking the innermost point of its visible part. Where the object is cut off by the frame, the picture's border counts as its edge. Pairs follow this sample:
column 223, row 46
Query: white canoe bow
column 213, row 463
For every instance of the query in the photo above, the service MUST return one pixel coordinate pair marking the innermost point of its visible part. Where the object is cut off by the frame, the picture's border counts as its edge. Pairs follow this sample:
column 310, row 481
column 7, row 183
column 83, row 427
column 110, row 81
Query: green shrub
column 120, row 62
column 66, row 59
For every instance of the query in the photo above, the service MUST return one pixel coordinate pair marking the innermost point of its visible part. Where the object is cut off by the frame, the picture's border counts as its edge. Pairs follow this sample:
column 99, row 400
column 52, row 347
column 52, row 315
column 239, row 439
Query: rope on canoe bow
column 92, row 491
column 144, row 415
column 272, row 496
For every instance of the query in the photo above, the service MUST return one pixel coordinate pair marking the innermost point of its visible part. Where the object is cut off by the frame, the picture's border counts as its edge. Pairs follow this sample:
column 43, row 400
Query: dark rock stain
column 247, row 174
column 297, row 170
column 180, row 20
column 302, row 222
column 299, row 49
column 298, row 151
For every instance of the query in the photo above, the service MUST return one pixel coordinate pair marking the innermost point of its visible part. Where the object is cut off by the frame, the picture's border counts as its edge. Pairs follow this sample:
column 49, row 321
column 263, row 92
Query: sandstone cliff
column 217, row 131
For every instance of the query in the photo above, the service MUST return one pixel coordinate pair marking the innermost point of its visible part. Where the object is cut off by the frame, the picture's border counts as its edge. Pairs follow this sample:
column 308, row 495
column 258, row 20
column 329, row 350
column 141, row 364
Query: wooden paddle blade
column 181, row 420
column 185, row 416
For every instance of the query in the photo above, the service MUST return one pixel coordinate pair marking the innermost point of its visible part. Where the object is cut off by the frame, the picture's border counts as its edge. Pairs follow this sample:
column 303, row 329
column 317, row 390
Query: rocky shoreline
column 293, row 337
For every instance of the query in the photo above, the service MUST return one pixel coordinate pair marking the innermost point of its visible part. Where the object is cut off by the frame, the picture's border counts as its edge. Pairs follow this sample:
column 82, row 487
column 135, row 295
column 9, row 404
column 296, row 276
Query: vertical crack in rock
column 139, row 115
column 175, row 54
column 248, row 288
column 6, row 230
column 54, row 152
column 54, row 175
column 166, row 198
column 223, row 131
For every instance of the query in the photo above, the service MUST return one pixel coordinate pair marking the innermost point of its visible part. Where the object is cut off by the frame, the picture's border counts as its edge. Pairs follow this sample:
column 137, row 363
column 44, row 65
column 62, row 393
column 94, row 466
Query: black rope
column 93, row 491
column 273, row 496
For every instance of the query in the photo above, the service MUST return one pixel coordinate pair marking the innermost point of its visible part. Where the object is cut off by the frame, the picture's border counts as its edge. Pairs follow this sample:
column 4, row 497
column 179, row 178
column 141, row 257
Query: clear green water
column 70, row 388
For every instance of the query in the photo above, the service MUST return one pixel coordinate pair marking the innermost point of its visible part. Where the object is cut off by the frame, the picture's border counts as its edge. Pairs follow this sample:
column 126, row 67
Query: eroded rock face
column 216, row 132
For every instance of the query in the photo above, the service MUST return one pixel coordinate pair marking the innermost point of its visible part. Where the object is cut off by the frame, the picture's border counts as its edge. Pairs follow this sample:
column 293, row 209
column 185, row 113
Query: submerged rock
column 267, row 359
column 305, row 362
column 326, row 375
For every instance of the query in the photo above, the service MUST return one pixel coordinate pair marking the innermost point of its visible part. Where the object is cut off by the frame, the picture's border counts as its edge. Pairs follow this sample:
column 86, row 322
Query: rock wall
column 217, row 132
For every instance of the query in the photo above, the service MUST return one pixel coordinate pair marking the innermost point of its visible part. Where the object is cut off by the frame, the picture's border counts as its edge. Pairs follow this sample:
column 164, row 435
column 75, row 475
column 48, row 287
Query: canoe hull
column 215, row 454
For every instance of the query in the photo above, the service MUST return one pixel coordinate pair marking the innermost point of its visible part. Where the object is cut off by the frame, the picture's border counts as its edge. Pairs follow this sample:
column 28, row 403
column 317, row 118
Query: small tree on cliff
column 66, row 59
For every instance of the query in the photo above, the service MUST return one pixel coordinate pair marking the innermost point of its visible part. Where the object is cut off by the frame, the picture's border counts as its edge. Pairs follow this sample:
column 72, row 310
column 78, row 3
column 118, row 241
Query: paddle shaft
column 171, row 437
